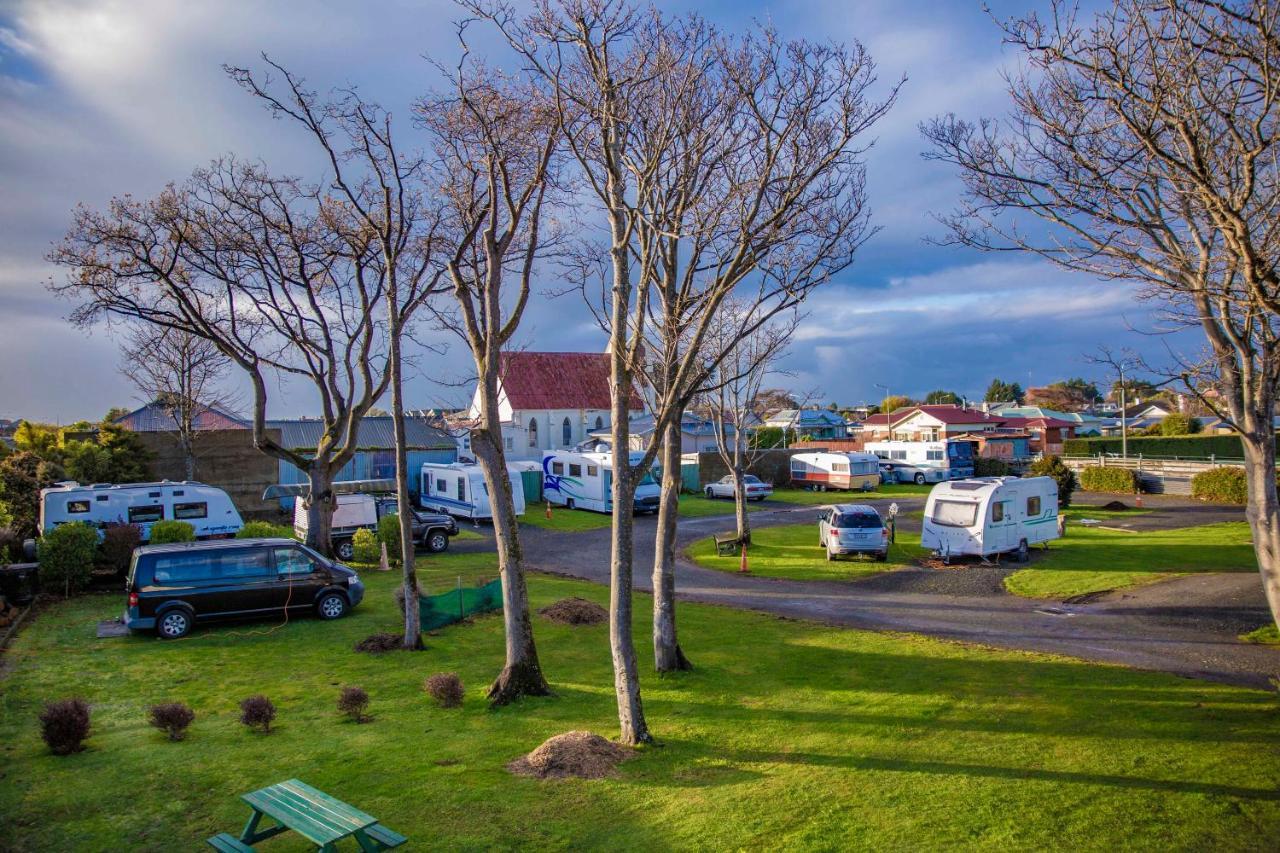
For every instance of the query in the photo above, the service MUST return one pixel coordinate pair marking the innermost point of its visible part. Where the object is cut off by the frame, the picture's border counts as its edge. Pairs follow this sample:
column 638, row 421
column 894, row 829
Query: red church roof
column 558, row 380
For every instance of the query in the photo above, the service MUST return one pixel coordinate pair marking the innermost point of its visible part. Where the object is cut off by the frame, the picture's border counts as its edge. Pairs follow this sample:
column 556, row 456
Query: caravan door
column 1001, row 525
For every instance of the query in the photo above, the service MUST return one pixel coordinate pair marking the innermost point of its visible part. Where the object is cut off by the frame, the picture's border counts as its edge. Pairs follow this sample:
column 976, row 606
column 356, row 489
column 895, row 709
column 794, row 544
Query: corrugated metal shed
column 376, row 433
column 155, row 417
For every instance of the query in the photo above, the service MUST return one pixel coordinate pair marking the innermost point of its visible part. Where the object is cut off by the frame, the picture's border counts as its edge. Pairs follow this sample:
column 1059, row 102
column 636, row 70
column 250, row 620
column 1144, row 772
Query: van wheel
column 919, row 479
column 343, row 549
column 174, row 625
column 1022, row 555
column 437, row 542
column 332, row 606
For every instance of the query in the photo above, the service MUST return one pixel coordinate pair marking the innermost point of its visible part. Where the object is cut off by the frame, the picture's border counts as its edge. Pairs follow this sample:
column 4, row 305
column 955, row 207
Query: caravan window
column 195, row 510
column 997, row 512
column 462, row 488
column 955, row 513
column 442, row 487
column 557, row 467
column 575, row 470
column 865, row 467
column 593, row 471
column 77, row 506
column 839, row 467
column 145, row 514
column 1033, row 506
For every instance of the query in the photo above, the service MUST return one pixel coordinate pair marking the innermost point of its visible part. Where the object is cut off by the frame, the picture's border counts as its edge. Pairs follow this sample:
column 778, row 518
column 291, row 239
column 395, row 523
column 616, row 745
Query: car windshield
column 955, row 513
column 751, row 478
column 646, row 480
column 860, row 520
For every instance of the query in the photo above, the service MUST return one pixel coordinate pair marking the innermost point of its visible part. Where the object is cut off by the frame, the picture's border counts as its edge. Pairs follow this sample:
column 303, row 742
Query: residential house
column 551, row 400
column 697, row 434
column 1086, row 423
column 939, row 422
column 811, row 423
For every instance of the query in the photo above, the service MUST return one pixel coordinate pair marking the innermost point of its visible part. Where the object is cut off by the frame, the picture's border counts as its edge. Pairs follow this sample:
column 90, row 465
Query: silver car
column 757, row 489
column 853, row 529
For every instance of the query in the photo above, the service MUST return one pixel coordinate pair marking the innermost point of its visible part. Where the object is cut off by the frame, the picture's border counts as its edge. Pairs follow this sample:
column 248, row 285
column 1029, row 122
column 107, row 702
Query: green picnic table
column 310, row 812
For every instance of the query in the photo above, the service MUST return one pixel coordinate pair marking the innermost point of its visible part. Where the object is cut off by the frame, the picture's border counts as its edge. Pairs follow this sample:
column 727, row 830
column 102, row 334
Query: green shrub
column 1097, row 478
column 984, row 467
column 118, row 542
column 1221, row 485
column 264, row 530
column 1053, row 466
column 66, row 557
column 364, row 547
column 1176, row 423
column 389, row 533
column 172, row 531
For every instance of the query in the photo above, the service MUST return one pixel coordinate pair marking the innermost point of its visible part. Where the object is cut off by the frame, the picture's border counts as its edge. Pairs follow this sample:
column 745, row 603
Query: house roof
column 376, row 433
column 558, row 380
column 155, row 417
column 689, row 425
column 1047, row 423
column 799, row 418
column 949, row 414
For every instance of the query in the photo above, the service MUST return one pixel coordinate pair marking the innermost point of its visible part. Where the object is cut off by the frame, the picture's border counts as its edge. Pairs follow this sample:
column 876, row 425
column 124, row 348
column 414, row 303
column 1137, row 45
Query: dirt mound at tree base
column 580, row 755
column 1115, row 506
column 376, row 644
column 575, row 611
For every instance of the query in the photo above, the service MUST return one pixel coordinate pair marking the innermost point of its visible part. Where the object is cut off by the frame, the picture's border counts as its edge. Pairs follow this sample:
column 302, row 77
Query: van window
column 955, row 513
column 182, row 568
column 1033, row 506
column 193, row 510
column 293, row 561
column 557, row 467
column 997, row 512
column 145, row 514
column 934, row 455
column 244, row 564
column 897, row 454
column 575, row 470
column 77, row 506
column 593, row 471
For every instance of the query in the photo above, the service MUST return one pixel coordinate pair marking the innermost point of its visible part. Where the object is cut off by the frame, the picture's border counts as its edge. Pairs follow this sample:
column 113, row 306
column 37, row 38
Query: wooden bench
column 227, row 843
column 388, row 838
column 727, row 544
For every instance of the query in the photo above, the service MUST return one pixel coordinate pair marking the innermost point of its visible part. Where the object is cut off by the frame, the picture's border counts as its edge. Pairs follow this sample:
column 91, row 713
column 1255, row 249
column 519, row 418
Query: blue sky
column 104, row 97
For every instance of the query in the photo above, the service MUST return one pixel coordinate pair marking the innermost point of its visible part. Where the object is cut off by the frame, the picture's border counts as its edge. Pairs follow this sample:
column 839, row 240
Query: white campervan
column 925, row 461
column 584, row 480
column 459, row 489
column 990, row 515
column 209, row 510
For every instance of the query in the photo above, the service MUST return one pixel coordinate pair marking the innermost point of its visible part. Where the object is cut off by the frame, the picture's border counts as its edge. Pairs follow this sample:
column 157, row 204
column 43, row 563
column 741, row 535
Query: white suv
column 853, row 529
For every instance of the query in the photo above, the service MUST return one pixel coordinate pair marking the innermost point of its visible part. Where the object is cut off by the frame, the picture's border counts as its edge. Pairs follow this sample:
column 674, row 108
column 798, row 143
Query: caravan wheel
column 1021, row 554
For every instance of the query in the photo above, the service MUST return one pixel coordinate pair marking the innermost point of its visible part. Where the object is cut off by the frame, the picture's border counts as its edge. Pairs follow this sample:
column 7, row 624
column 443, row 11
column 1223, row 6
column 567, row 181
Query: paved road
column 1187, row 626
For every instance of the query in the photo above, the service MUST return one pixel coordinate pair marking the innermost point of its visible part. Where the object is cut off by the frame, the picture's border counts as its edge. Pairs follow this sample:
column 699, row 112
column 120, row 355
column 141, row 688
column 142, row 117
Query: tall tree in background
column 385, row 216
column 496, row 142
column 1143, row 142
column 940, row 397
column 1000, row 391
column 181, row 373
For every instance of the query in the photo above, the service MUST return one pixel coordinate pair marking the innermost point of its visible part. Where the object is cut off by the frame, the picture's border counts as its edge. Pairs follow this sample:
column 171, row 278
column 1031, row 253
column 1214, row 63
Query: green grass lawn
column 788, row 734
column 792, row 552
column 568, row 520
column 1267, row 635
column 1092, row 560
column 802, row 497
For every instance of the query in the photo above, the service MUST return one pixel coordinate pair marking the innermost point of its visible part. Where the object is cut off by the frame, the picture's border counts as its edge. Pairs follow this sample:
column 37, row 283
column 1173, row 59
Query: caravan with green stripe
column 986, row 516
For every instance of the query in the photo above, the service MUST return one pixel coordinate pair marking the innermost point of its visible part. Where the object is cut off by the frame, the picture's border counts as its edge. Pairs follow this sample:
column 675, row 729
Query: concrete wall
column 772, row 466
column 224, row 458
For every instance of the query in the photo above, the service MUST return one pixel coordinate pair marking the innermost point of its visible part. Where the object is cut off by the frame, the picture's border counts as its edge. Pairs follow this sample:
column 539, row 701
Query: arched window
column 599, row 422
column 533, row 432
column 566, row 433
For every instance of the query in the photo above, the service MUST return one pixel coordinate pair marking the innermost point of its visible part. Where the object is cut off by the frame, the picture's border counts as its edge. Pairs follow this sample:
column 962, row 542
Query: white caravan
column 990, row 515
column 823, row 471
column 209, row 510
column 459, row 489
column 584, row 480
column 929, row 461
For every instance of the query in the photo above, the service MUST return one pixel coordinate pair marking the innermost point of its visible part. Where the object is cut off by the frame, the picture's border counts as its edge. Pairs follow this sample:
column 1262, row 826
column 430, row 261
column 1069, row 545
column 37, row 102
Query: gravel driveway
column 1187, row 626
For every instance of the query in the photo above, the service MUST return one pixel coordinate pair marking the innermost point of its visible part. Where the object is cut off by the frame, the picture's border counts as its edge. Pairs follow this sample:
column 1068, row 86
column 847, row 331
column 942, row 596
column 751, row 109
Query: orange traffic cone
column 548, row 510
column 742, row 566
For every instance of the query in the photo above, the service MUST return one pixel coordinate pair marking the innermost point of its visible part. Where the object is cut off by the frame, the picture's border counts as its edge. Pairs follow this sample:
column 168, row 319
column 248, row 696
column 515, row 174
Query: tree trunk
column 319, row 505
column 667, row 654
column 408, row 559
column 740, row 492
column 1263, row 510
column 522, row 673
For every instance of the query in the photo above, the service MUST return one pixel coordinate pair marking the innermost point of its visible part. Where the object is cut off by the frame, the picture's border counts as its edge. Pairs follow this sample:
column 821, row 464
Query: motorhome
column 823, row 471
column 990, row 515
column 207, row 509
column 927, row 461
column 584, row 480
column 459, row 489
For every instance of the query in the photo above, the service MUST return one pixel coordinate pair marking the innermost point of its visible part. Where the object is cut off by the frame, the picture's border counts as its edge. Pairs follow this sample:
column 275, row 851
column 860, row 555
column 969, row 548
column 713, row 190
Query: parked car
column 853, row 529
column 757, row 489
column 172, row 587
column 430, row 530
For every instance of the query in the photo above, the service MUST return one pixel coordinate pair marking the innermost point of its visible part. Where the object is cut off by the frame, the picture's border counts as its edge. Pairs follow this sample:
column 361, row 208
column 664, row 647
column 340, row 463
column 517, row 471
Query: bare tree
column 284, row 277
column 496, row 140
column 181, row 374
column 733, row 403
column 1143, row 145
column 388, row 216
column 741, row 152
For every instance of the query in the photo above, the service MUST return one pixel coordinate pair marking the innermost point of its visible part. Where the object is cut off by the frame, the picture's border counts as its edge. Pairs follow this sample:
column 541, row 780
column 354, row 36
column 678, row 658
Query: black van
column 172, row 586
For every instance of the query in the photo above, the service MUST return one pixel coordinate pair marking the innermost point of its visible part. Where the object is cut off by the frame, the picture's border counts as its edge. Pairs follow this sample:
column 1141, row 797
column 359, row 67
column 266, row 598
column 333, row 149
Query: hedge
column 1222, row 485
column 1181, row 446
column 66, row 557
column 1096, row 478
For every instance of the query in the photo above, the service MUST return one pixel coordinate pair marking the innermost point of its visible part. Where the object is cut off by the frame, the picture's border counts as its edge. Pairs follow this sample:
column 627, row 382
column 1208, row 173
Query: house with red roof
column 940, row 422
column 551, row 400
